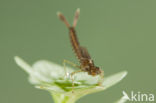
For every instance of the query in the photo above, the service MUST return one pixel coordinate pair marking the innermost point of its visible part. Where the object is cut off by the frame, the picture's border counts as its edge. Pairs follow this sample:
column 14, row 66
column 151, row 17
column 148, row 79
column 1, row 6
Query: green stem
column 62, row 98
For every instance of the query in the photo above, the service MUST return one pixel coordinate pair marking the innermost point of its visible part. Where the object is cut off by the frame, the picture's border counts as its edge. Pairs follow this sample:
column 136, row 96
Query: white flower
column 51, row 77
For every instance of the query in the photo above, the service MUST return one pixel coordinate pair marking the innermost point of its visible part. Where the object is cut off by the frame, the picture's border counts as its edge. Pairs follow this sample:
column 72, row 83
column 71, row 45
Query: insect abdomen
column 75, row 42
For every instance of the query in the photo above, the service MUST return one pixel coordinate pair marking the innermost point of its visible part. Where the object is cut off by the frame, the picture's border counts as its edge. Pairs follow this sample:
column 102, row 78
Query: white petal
column 108, row 82
column 111, row 80
column 49, row 69
column 20, row 62
column 87, row 79
column 51, row 88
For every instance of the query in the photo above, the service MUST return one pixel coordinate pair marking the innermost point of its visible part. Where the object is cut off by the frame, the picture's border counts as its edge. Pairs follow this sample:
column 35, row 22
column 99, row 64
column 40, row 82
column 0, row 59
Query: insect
column 85, row 60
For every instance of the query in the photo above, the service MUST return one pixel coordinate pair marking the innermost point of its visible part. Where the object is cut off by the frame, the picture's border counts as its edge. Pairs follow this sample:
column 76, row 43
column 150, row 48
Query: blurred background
column 119, row 34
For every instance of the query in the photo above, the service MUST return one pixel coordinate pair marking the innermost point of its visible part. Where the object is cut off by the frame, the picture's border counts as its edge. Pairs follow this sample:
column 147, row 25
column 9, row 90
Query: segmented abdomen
column 75, row 42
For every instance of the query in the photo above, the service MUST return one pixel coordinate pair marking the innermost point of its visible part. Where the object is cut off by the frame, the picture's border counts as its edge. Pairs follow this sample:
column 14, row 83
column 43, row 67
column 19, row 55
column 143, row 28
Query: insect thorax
column 87, row 65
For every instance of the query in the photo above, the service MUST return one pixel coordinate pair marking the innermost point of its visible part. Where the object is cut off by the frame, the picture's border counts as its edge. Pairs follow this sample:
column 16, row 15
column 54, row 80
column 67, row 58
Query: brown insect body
column 86, row 63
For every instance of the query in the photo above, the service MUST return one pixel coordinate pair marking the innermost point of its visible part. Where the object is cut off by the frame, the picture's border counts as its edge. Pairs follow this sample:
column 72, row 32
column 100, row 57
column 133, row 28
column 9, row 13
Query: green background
column 119, row 34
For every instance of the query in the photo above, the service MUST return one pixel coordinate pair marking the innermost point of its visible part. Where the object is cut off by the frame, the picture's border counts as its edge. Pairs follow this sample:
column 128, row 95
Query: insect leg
column 71, row 75
column 68, row 62
column 101, row 78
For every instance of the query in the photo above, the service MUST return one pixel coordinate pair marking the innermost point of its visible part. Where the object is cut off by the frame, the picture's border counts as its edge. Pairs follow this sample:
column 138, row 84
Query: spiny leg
column 68, row 62
column 101, row 78
column 71, row 75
